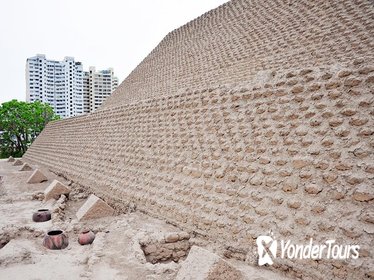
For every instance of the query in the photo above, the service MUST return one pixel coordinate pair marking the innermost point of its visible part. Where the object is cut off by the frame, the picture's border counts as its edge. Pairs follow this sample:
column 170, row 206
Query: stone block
column 55, row 189
column 94, row 208
column 203, row 265
column 363, row 194
column 300, row 163
column 37, row 177
column 25, row 167
column 18, row 162
column 172, row 237
column 313, row 189
column 11, row 159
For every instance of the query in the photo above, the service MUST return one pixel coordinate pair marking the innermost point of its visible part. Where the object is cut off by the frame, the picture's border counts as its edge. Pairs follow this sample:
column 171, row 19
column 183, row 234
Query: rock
column 366, row 70
column 318, row 209
column 171, row 237
column 367, row 216
column 351, row 82
column 363, row 194
column 305, row 71
column 353, row 180
column 18, row 162
column 348, row 112
column 297, row 89
column 314, row 87
column 150, row 249
column 289, row 185
column 55, row 189
column 343, row 166
column 370, row 80
column 11, row 159
column 358, row 121
column 344, row 73
column 332, row 85
column 37, row 196
column 202, row 265
column 294, row 204
column 326, row 76
column 329, row 177
column 370, row 274
column 302, row 221
column 313, row 189
column 25, row 167
column 37, row 177
column 299, row 163
column 94, row 208
column 183, row 235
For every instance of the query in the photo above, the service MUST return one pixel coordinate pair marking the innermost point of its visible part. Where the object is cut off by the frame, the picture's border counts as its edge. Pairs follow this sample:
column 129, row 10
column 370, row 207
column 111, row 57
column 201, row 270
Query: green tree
column 20, row 124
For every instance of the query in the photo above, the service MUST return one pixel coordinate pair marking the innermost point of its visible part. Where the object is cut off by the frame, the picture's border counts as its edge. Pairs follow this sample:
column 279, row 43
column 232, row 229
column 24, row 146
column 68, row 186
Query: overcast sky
column 106, row 33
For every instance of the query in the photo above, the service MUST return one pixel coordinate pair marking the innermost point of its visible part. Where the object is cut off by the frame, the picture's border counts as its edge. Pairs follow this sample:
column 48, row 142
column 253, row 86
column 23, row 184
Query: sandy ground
column 114, row 254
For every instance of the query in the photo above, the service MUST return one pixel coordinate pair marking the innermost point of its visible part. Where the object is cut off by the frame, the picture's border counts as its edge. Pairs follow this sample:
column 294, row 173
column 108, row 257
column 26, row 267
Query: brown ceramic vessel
column 42, row 215
column 86, row 237
column 55, row 240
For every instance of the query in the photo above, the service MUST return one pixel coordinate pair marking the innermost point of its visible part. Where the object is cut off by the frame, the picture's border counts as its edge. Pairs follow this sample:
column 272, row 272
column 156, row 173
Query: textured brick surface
column 242, row 38
column 234, row 126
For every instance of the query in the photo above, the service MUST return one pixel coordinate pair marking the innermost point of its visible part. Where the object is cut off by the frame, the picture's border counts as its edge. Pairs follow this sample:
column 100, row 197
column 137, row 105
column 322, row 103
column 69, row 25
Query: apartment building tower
column 58, row 83
column 66, row 87
column 97, row 86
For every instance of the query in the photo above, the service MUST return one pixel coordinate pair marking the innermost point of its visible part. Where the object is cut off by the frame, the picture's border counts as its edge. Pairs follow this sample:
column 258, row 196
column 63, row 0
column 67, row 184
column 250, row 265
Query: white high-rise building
column 97, row 86
column 65, row 86
column 58, row 83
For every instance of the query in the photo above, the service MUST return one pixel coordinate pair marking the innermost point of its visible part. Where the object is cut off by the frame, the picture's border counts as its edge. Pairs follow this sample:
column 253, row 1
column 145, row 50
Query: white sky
column 106, row 33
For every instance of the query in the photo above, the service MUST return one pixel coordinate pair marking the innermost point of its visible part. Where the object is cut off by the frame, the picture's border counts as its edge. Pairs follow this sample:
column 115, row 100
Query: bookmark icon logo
column 267, row 249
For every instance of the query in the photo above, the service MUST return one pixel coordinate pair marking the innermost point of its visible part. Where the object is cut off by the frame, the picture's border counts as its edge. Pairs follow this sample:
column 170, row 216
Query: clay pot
column 42, row 215
column 55, row 240
column 86, row 237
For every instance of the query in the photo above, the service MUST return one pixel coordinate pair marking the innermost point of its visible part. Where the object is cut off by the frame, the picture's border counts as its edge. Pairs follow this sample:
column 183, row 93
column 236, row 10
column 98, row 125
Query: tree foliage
column 20, row 124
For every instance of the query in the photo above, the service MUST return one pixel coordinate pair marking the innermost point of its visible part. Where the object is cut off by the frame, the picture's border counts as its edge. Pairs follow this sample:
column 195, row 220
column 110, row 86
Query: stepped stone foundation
column 37, row 177
column 26, row 167
column 256, row 116
column 18, row 162
column 55, row 190
column 93, row 208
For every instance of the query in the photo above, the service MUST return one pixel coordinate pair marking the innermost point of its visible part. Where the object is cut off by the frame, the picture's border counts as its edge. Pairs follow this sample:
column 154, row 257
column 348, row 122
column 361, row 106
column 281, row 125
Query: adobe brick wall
column 293, row 155
column 234, row 42
column 288, row 149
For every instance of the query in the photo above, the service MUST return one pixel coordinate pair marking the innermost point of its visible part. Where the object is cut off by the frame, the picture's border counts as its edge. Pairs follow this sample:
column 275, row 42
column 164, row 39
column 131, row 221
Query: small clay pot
column 55, row 240
column 86, row 237
column 42, row 215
